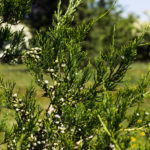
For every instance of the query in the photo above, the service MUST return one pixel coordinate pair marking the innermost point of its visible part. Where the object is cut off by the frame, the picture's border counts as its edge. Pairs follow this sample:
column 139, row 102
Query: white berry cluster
column 52, row 72
column 37, row 138
column 34, row 54
column 21, row 109
column 47, row 88
column 14, row 61
column 3, row 54
column 62, row 128
column 18, row 104
column 36, row 142
column 12, row 145
column 57, row 123
column 112, row 146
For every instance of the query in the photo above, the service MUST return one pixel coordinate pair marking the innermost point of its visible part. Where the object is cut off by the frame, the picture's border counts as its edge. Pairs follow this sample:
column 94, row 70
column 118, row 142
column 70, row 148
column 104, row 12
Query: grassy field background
column 23, row 79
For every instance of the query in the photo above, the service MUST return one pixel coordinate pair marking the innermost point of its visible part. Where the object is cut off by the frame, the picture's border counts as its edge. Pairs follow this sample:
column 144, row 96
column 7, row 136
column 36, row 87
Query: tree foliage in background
column 13, row 11
column 12, row 43
column 142, row 51
column 87, row 109
column 42, row 12
column 101, row 34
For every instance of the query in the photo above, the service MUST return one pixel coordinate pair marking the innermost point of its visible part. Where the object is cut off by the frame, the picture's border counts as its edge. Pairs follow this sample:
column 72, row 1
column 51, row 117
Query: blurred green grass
column 135, row 72
column 17, row 73
column 23, row 79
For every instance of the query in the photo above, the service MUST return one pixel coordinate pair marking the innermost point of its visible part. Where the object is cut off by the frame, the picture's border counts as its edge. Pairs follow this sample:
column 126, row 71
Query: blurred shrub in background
column 13, row 40
column 100, row 36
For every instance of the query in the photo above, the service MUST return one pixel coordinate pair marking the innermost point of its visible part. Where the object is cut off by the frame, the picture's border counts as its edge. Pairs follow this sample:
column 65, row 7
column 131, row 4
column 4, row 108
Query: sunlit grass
column 136, row 71
column 17, row 73
column 23, row 79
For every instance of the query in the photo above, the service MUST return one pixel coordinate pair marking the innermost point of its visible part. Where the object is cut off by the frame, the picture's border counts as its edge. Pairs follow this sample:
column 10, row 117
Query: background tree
column 42, row 12
column 100, row 37
column 12, row 43
column 143, row 51
column 102, row 32
column 14, row 11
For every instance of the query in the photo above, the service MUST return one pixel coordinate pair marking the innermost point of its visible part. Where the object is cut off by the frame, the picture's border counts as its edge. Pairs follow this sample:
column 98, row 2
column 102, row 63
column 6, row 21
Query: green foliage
column 11, row 45
column 101, row 35
column 26, row 116
column 143, row 50
column 14, row 11
column 79, row 115
column 78, row 106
